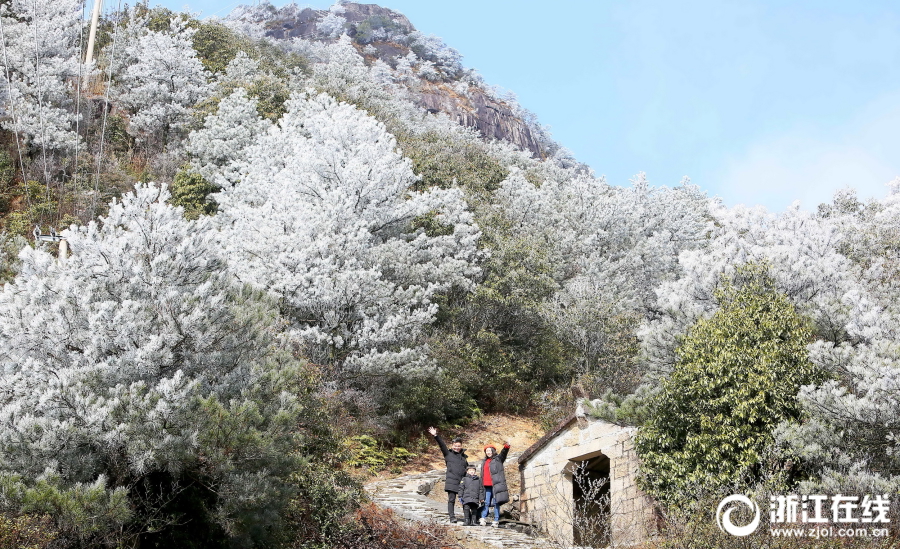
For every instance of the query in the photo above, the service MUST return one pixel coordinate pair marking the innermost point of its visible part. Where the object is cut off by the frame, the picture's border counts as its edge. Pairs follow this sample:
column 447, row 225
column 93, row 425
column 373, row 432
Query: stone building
column 578, row 484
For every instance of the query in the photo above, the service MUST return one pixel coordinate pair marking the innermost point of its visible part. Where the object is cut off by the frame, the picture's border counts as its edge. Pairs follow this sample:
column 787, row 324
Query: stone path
column 404, row 495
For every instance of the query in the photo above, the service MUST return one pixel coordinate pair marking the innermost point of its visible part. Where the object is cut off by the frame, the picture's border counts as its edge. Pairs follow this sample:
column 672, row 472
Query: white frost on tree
column 220, row 146
column 112, row 361
column 851, row 437
column 446, row 60
column 343, row 71
column 241, row 69
column 332, row 24
column 42, row 60
column 800, row 249
column 324, row 218
column 610, row 248
column 161, row 79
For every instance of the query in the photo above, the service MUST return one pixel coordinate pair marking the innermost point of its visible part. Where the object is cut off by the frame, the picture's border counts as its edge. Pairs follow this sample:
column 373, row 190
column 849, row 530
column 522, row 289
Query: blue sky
column 758, row 103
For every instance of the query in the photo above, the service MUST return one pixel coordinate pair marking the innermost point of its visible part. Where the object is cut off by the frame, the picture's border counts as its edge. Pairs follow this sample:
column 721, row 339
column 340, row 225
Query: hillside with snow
column 298, row 238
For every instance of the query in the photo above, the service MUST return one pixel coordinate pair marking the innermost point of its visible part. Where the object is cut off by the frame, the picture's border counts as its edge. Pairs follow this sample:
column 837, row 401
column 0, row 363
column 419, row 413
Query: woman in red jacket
column 494, row 479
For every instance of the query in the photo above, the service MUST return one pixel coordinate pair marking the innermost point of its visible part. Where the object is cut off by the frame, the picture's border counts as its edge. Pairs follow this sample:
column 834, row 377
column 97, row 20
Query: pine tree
column 324, row 218
column 221, row 145
column 161, row 78
column 42, row 61
column 136, row 365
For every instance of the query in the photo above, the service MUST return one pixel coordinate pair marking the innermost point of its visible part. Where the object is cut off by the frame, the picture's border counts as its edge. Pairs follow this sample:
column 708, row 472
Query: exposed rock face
column 492, row 119
column 357, row 13
column 287, row 25
column 292, row 22
column 476, row 109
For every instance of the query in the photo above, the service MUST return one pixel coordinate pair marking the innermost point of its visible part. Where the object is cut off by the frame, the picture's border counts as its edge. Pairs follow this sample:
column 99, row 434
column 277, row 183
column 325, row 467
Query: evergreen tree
column 324, row 218
column 141, row 371
column 161, row 78
column 221, row 144
column 736, row 378
column 41, row 59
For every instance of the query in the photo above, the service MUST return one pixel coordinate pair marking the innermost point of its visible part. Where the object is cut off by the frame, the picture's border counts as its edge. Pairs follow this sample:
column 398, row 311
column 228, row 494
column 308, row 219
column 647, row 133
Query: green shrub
column 10, row 245
column 37, row 207
column 191, row 191
column 271, row 93
column 320, row 511
column 365, row 30
column 217, row 45
column 495, row 339
column 409, row 404
column 115, row 135
column 7, row 171
column 736, row 377
column 83, row 514
column 366, row 452
column 445, row 162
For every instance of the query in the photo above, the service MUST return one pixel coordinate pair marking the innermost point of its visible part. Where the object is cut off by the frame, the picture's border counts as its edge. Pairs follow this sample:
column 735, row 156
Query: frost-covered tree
column 222, row 143
column 850, row 442
column 42, row 61
column 800, row 249
column 839, row 269
column 446, row 60
column 332, row 23
column 626, row 239
column 343, row 73
column 137, row 365
column 161, row 78
column 610, row 248
column 240, row 70
column 324, row 218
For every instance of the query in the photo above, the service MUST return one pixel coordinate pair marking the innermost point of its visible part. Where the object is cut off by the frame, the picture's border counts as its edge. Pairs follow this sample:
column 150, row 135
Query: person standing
column 457, row 462
column 494, row 479
column 471, row 496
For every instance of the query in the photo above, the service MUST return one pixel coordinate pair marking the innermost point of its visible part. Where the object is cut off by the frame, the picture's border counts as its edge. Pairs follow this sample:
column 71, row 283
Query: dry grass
column 378, row 528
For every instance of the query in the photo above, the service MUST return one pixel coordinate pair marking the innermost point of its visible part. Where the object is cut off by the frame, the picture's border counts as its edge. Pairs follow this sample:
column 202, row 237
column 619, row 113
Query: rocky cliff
column 381, row 33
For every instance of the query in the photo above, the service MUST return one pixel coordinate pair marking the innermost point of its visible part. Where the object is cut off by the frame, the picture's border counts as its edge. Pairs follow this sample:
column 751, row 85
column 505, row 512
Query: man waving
column 457, row 462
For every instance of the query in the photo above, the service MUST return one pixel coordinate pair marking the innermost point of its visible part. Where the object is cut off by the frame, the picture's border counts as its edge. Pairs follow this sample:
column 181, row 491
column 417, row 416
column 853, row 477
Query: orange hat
column 490, row 446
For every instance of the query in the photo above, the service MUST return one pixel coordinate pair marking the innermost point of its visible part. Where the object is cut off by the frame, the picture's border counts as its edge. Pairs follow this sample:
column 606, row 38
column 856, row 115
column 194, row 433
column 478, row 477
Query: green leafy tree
column 736, row 378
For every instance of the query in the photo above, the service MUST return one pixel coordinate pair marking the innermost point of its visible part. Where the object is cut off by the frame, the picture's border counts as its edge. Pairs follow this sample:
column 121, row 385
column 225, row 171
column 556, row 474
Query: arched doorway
column 591, row 497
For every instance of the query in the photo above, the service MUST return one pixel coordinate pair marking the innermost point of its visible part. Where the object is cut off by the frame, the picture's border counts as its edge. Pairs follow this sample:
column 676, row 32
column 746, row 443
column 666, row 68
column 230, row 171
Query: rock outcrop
column 491, row 117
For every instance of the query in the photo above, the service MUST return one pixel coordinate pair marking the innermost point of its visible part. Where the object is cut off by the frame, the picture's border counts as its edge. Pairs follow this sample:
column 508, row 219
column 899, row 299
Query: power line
column 105, row 110
column 40, row 89
column 78, row 91
column 13, row 112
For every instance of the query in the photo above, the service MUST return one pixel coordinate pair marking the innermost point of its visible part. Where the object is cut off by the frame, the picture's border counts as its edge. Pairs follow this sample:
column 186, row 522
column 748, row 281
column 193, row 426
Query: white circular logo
column 723, row 520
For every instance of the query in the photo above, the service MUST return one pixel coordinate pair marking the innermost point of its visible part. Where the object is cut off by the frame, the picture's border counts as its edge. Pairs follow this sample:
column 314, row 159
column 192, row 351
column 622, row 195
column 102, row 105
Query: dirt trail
column 418, row 493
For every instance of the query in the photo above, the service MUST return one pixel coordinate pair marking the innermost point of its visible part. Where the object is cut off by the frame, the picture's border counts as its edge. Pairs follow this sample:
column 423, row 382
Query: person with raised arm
column 457, row 462
column 494, row 479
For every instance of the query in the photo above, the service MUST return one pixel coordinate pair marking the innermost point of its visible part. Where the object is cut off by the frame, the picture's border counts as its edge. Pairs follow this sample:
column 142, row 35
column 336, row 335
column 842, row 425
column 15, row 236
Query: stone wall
column 547, row 495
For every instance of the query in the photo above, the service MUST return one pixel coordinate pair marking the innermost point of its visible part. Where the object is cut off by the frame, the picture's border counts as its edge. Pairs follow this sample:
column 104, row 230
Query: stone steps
column 400, row 494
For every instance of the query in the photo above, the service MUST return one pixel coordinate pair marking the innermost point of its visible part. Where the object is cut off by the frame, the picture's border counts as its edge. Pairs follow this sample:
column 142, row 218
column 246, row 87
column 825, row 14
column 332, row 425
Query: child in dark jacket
column 471, row 495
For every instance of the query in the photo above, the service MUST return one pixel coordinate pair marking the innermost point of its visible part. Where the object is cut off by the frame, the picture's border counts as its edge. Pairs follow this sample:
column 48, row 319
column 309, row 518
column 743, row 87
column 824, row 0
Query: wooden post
column 95, row 19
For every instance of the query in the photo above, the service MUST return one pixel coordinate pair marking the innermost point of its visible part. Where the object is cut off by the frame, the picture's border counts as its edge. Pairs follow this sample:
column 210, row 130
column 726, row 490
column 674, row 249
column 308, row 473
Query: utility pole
column 95, row 18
